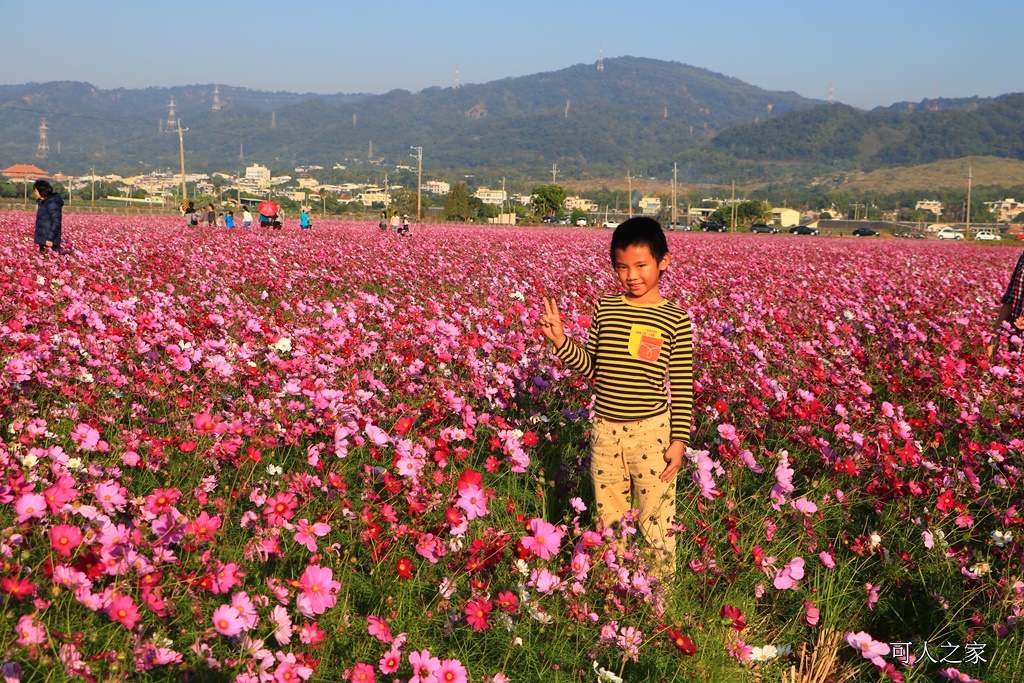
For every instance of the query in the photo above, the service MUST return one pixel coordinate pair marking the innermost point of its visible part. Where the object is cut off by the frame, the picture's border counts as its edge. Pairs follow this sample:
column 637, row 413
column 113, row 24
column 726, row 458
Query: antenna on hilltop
column 273, row 119
column 241, row 152
column 831, row 93
column 457, row 84
column 44, row 146
column 171, row 118
column 567, row 109
column 216, row 97
column 600, row 58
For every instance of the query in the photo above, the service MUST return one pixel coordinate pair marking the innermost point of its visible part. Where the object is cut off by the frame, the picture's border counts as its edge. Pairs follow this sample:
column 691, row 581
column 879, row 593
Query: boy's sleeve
column 680, row 377
column 579, row 358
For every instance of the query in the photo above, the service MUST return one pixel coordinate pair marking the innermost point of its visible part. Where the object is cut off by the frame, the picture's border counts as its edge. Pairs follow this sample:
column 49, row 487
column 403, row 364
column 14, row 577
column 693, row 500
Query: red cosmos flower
column 280, row 508
column 470, row 478
column 64, row 538
column 476, row 614
column 947, row 501
column 403, row 425
column 123, row 610
column 733, row 617
column 682, row 642
column 530, row 439
column 507, row 601
column 17, row 588
column 404, row 568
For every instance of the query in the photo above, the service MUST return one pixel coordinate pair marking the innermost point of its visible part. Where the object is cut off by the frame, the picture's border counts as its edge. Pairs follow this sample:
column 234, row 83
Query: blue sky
column 874, row 52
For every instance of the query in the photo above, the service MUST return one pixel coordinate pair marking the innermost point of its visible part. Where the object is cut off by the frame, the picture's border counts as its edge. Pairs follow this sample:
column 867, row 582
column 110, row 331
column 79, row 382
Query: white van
column 949, row 234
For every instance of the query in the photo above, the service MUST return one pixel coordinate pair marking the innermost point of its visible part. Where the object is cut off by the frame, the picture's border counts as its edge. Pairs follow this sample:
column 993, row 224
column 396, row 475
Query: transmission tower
column 831, row 93
column 44, row 146
column 216, row 97
column 273, row 119
column 171, row 118
column 457, row 84
column 600, row 58
column 241, row 152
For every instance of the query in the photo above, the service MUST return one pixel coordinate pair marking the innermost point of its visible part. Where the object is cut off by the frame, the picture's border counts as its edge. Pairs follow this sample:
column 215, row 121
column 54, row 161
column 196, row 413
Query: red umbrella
column 268, row 208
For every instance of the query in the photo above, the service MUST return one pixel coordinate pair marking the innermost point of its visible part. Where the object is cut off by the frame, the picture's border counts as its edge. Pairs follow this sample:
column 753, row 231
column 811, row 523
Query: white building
column 1006, row 210
column 649, row 206
column 929, row 205
column 371, row 195
column 581, row 204
column 489, row 196
column 436, row 187
column 258, row 174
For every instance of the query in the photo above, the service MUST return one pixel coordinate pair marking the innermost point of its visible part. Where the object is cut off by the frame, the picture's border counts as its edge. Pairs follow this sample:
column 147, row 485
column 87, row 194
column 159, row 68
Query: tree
column 578, row 214
column 456, row 206
column 548, row 200
column 1019, row 218
column 404, row 202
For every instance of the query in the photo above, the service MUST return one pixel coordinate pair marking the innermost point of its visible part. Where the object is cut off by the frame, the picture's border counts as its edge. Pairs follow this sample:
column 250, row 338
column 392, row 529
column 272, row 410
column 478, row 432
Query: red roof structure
column 25, row 171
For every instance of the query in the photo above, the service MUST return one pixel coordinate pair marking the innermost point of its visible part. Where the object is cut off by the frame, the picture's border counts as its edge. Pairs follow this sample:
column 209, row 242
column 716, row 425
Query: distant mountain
column 882, row 137
column 635, row 113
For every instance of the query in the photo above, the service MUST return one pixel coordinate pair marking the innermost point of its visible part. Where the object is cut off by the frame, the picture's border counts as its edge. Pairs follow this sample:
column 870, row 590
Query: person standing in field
column 1012, row 309
column 49, row 216
column 637, row 339
column 395, row 221
column 229, row 220
column 210, row 215
column 405, row 225
column 304, row 223
column 189, row 212
column 246, row 218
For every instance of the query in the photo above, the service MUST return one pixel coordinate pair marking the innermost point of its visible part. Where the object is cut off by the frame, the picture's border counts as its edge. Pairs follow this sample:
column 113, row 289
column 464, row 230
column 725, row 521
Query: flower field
column 344, row 455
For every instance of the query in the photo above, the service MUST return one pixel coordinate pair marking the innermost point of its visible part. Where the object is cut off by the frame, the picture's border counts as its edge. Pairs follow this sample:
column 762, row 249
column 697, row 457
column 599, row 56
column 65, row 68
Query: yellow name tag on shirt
column 645, row 342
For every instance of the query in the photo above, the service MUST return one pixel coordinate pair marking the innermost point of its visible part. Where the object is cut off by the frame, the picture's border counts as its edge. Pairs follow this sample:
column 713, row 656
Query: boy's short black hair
column 640, row 231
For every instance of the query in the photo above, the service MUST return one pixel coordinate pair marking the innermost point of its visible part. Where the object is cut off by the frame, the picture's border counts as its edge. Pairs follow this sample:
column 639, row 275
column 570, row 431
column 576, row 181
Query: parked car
column 678, row 226
column 609, row 224
column 986, row 236
column 711, row 226
column 865, row 232
column 763, row 229
column 949, row 234
column 581, row 222
column 803, row 230
column 549, row 219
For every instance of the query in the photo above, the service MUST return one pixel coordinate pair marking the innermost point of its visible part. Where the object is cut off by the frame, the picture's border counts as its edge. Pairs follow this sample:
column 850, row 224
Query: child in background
column 229, row 220
column 304, row 223
column 220, row 220
column 246, row 218
column 636, row 340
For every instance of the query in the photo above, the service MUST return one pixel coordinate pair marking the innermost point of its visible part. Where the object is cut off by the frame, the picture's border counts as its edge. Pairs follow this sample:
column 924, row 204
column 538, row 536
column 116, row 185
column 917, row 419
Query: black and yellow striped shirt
column 630, row 351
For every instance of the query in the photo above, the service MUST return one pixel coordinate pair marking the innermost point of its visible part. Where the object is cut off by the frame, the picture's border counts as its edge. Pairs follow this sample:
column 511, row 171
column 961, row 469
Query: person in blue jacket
column 304, row 219
column 48, row 216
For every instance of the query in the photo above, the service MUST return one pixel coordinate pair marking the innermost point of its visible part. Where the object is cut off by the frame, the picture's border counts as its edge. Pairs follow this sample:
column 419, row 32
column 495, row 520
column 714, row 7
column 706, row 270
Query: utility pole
column 967, row 234
column 554, row 173
column 675, row 173
column 732, row 227
column 502, row 196
column 629, row 183
column 92, row 178
column 181, row 147
column 419, row 181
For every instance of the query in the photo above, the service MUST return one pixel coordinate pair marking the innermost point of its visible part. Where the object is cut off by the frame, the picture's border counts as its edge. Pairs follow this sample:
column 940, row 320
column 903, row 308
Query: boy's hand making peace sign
column 551, row 323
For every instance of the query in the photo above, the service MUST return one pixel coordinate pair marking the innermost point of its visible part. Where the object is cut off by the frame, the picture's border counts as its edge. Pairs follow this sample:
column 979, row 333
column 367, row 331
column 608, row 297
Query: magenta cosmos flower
column 424, row 667
column 318, row 589
column 869, row 647
column 545, row 539
column 64, row 538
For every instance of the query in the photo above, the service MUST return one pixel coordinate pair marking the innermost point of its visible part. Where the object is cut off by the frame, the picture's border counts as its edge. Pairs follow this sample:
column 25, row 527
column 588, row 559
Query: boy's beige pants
column 628, row 457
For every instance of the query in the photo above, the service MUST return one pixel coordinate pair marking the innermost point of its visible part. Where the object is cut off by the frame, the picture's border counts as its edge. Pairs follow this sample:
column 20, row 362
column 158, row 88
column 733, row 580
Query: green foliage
column 456, row 206
column 548, row 200
column 578, row 214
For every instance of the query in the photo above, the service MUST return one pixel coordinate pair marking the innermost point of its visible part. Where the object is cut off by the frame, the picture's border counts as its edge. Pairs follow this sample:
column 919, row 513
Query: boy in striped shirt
column 637, row 340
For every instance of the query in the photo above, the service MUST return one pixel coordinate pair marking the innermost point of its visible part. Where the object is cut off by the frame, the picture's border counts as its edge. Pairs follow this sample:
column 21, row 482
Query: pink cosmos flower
column 311, row 634
column 245, row 609
column 545, row 540
column 803, row 505
column 64, row 538
column 30, row 631
column 111, row 496
column 811, row 614
column 280, row 508
column 318, row 589
column 30, row 506
column 379, row 628
column 391, row 661
column 227, row 622
column 452, row 671
column 283, row 625
column 424, row 667
column 826, row 559
column 868, row 647
column 955, row 674
column 473, row 501
column 362, row 673
column 123, row 610
column 872, row 591
column 787, row 577
column 86, row 437
column 306, row 532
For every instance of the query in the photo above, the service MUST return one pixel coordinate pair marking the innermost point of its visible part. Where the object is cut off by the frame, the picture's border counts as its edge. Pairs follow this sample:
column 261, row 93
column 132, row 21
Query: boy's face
column 638, row 273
